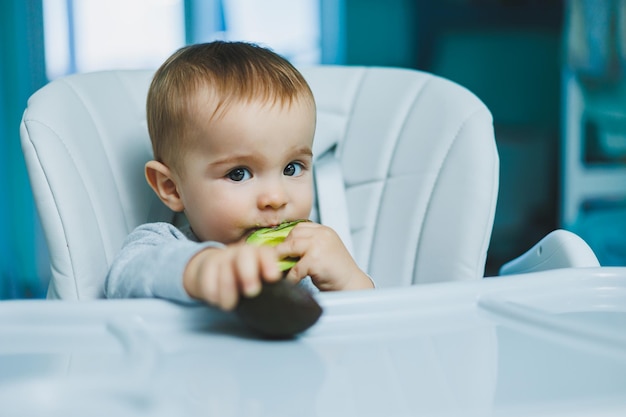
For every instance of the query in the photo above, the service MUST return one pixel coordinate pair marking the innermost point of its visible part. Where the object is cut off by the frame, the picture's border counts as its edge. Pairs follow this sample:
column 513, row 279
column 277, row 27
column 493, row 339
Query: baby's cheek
column 307, row 203
column 221, row 233
column 234, row 230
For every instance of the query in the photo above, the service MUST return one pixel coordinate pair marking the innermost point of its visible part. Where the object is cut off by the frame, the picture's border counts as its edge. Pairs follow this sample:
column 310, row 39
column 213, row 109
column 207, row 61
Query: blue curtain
column 23, row 257
column 202, row 19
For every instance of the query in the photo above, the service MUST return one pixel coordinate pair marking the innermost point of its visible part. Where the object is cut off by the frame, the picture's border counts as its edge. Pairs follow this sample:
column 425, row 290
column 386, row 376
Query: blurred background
column 553, row 73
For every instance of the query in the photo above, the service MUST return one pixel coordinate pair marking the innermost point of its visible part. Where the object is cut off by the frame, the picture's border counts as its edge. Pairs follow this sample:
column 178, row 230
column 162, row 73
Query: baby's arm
column 151, row 263
column 219, row 276
column 323, row 257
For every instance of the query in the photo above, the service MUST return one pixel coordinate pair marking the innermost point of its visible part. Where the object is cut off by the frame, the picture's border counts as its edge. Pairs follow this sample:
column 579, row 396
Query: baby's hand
column 323, row 257
column 218, row 276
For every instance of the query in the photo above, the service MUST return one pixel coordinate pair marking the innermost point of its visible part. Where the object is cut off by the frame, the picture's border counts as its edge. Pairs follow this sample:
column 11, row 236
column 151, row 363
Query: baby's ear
column 160, row 178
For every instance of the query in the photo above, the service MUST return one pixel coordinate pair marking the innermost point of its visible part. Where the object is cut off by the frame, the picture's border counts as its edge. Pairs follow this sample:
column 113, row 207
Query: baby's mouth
column 249, row 231
column 273, row 235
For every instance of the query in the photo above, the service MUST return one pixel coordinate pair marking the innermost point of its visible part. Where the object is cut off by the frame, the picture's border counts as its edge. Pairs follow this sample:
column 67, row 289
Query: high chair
column 406, row 170
column 413, row 155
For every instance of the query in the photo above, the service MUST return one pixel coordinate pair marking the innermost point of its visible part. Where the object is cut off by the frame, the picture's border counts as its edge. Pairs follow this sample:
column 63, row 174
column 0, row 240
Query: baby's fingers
column 228, row 293
column 248, row 271
column 217, row 287
column 268, row 263
column 291, row 248
column 254, row 265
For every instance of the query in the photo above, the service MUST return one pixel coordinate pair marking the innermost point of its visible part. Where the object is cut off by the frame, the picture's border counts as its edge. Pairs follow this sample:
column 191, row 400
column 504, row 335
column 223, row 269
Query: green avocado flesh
column 272, row 236
column 282, row 309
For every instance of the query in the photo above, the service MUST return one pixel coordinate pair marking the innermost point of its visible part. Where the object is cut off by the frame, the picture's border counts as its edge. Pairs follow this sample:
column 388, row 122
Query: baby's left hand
column 323, row 257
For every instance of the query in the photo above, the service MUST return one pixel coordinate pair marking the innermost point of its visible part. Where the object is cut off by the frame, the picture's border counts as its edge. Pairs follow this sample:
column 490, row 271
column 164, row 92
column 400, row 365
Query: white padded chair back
column 417, row 151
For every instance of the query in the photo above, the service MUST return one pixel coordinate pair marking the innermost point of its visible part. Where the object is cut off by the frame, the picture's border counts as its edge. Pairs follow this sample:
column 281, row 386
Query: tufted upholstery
column 417, row 152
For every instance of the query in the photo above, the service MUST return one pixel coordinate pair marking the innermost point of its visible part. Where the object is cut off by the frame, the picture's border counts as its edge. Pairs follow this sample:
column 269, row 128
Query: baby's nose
column 273, row 196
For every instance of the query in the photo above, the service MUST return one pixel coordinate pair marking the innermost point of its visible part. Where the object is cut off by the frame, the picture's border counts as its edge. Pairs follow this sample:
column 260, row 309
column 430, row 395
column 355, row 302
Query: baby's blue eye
column 239, row 174
column 293, row 169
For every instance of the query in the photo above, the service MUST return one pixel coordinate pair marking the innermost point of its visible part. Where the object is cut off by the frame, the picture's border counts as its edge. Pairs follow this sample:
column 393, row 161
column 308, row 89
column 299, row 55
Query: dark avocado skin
column 280, row 311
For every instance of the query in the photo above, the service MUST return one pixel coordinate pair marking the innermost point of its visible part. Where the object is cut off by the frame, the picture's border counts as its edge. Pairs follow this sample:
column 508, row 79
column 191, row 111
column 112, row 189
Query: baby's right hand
column 219, row 276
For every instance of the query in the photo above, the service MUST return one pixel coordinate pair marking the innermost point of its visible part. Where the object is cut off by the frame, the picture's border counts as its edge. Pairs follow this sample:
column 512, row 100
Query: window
column 91, row 35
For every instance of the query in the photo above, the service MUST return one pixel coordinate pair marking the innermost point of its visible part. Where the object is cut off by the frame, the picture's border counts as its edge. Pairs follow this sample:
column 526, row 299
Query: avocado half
column 282, row 309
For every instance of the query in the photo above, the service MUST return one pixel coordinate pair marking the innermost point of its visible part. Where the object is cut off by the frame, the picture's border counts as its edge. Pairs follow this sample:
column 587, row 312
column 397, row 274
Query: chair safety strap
column 330, row 189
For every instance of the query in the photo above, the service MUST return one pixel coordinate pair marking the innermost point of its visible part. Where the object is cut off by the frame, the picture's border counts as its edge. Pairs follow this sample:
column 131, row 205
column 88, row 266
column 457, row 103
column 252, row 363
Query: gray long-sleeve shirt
column 152, row 262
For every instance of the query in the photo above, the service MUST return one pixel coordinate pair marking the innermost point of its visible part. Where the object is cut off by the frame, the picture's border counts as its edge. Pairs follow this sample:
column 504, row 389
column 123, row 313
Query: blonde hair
column 232, row 72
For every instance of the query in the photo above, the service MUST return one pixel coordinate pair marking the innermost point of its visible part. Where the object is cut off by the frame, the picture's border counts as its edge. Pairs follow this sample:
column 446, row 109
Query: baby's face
column 251, row 168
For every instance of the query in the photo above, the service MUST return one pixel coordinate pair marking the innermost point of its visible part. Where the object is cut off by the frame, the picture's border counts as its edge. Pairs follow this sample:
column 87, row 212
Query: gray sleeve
column 151, row 263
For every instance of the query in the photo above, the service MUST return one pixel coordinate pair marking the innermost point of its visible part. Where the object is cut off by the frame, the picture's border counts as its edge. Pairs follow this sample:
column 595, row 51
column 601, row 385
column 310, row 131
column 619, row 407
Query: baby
column 232, row 128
